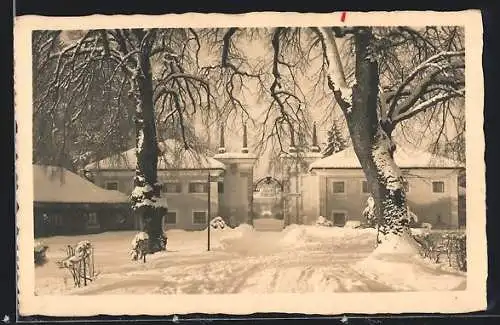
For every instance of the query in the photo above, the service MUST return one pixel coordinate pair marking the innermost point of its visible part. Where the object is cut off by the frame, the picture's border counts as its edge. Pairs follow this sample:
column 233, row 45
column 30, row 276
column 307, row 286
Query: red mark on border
column 342, row 17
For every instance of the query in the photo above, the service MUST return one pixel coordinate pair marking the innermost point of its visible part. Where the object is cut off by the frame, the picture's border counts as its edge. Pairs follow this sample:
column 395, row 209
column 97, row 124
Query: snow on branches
column 335, row 71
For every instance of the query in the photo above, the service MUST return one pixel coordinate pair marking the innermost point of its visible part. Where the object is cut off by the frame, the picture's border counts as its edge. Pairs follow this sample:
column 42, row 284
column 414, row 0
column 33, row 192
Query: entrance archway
column 268, row 204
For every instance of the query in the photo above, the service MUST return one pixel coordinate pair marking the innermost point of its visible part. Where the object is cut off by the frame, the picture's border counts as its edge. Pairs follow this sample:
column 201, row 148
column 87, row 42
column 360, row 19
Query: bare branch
column 428, row 103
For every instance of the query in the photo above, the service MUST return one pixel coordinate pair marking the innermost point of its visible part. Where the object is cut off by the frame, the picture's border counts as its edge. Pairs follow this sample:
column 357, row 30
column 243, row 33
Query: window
column 56, row 220
column 170, row 218
column 364, row 186
column 199, row 217
column 339, row 218
column 171, row 187
column 112, row 185
column 92, row 219
column 198, row 187
column 338, row 187
column 220, row 187
column 438, row 187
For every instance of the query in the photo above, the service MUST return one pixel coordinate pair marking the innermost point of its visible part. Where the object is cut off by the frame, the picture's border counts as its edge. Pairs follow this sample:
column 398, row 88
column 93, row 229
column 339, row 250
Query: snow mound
column 397, row 264
column 352, row 224
column 396, row 245
column 295, row 236
column 300, row 235
column 244, row 227
column 235, row 234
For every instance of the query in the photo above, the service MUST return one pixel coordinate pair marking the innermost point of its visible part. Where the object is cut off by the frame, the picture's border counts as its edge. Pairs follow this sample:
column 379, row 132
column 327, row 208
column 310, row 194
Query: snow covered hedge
column 447, row 247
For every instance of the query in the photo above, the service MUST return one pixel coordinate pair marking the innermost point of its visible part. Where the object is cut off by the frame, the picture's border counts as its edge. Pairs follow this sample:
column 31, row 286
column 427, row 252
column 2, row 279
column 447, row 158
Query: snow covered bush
column 439, row 247
column 79, row 262
column 369, row 211
column 218, row 223
column 140, row 245
column 40, row 250
column 83, row 249
column 426, row 225
column 322, row 221
column 412, row 217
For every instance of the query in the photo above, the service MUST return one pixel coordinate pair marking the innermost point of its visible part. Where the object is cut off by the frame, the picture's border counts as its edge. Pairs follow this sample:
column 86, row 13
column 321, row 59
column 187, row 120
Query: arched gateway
column 268, row 204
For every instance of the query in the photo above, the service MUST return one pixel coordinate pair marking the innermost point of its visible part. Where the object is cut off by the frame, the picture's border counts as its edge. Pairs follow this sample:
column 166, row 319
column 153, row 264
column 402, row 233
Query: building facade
column 338, row 190
column 311, row 186
column 184, row 175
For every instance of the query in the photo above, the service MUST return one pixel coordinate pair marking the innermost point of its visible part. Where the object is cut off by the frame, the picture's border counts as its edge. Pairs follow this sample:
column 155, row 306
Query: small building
column 337, row 188
column 66, row 204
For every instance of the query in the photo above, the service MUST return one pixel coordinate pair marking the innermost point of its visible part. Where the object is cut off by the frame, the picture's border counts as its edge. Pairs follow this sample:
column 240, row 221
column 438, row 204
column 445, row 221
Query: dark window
column 199, row 217
column 112, row 186
column 198, row 188
column 338, row 187
column 56, row 219
column 170, row 218
column 92, row 219
column 220, row 187
column 438, row 187
column 339, row 218
column 171, row 188
column 365, row 187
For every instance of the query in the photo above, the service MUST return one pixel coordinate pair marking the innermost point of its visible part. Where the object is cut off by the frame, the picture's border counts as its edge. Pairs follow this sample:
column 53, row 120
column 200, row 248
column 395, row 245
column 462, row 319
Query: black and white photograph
column 248, row 158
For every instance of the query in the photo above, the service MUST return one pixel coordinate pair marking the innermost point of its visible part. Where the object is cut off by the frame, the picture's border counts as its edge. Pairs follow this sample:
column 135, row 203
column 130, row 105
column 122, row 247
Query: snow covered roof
column 58, row 185
column 173, row 156
column 404, row 158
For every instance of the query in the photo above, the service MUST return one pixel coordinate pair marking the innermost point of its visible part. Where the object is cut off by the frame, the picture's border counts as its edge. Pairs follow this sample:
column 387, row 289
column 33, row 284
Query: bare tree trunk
column 146, row 188
column 373, row 144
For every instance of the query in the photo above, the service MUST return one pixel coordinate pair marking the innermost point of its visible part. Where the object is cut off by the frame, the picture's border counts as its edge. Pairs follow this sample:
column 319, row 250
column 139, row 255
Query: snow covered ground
column 299, row 259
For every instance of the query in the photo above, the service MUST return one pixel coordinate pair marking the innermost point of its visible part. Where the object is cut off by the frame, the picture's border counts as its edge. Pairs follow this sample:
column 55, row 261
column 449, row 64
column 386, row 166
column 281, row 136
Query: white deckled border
column 472, row 299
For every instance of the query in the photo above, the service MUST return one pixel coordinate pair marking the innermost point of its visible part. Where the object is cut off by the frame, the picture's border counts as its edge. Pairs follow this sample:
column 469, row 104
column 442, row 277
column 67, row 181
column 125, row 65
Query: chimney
column 292, row 148
column 245, row 140
column 314, row 147
column 222, row 147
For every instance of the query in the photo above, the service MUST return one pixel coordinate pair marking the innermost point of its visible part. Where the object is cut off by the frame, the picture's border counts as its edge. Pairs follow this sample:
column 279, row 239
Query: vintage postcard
column 262, row 162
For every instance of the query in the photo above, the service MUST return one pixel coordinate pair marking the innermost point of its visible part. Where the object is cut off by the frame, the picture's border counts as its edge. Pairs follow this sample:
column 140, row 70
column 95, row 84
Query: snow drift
column 300, row 235
column 396, row 262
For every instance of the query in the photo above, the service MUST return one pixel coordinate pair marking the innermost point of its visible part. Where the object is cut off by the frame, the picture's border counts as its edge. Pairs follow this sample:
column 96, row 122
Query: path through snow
column 297, row 260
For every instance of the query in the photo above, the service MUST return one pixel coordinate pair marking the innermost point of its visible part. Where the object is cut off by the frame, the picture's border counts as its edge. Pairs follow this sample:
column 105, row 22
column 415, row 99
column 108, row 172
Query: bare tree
column 71, row 122
column 73, row 58
column 395, row 74
column 380, row 78
column 432, row 74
